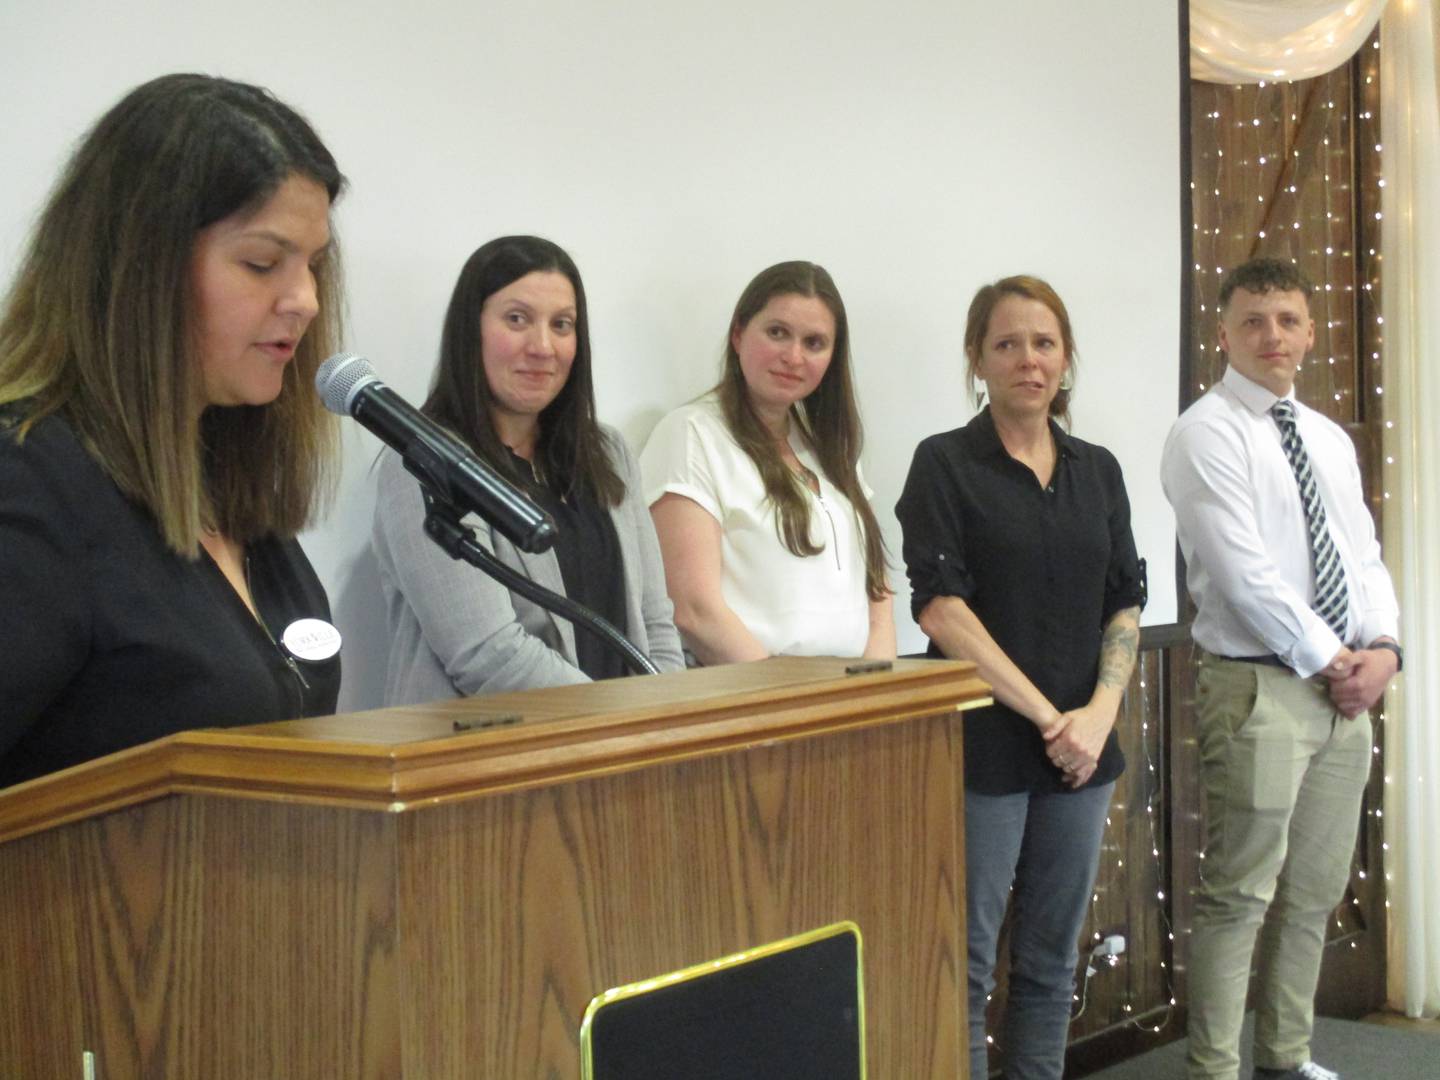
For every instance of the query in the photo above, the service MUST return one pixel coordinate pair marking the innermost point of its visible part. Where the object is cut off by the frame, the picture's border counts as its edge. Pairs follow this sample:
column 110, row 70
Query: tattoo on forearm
column 1118, row 649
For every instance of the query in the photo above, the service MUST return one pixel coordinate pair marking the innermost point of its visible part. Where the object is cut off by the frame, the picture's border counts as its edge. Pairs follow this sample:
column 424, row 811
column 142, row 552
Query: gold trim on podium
column 713, row 967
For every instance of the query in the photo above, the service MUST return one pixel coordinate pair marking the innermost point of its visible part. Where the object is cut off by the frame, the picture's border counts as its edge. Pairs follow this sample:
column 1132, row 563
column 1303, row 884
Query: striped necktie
column 1332, row 599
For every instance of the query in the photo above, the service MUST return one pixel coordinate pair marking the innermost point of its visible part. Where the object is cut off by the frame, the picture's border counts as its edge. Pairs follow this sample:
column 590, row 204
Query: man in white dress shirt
column 1296, row 624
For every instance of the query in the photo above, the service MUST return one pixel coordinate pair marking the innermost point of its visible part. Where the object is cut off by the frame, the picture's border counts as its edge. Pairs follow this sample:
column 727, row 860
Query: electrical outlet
column 1111, row 945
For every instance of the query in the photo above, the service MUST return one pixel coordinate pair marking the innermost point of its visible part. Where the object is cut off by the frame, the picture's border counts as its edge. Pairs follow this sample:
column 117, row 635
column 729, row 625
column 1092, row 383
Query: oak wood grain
column 199, row 937
column 617, row 879
column 40, row 1012
column 394, row 758
column 260, row 930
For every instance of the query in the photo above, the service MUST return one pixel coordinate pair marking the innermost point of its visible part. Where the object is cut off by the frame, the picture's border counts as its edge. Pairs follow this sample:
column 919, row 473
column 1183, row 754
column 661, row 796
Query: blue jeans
column 1046, row 846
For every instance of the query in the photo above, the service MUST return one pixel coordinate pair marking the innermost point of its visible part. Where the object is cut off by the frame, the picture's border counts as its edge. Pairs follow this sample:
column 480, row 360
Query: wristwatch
column 1392, row 647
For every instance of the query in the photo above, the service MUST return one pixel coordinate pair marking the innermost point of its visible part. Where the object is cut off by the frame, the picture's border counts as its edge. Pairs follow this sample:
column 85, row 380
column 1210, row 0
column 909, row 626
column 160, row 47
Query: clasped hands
column 1074, row 741
column 1358, row 678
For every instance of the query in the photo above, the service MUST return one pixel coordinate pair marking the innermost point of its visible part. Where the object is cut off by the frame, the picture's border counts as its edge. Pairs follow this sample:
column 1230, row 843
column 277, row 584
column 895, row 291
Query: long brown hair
column 829, row 417
column 977, row 325
column 570, row 447
column 99, row 325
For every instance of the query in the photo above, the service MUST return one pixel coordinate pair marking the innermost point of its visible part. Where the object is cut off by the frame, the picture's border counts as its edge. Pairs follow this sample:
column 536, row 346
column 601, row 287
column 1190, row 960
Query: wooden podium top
column 400, row 759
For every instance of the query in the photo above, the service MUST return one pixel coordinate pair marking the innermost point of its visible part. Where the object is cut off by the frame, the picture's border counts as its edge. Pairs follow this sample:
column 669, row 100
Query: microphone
column 450, row 471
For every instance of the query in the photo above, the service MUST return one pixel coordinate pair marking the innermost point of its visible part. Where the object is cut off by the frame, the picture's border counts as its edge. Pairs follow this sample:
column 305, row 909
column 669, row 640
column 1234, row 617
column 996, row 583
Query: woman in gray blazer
column 514, row 382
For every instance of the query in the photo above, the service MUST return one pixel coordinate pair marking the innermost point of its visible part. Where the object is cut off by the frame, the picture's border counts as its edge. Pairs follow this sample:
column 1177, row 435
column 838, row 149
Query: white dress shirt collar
column 1251, row 394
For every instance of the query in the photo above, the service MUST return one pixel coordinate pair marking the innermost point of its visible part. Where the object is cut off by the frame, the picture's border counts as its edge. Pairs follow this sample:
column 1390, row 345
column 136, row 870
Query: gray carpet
column 1356, row 1051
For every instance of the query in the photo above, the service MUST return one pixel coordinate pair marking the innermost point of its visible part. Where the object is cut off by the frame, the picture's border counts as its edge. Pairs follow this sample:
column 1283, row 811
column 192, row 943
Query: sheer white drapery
column 1247, row 41
column 1410, row 297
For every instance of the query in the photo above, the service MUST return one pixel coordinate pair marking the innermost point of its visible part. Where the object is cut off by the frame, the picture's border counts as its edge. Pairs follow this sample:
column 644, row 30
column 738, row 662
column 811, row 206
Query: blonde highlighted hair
column 99, row 325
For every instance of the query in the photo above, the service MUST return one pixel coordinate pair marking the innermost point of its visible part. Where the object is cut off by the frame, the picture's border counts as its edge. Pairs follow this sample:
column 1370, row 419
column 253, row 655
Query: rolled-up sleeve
column 1125, row 584
column 676, row 461
column 932, row 523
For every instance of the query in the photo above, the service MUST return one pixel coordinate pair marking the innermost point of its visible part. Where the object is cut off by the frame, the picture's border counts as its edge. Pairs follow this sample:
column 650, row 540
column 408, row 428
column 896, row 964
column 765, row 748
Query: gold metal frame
column 710, row 967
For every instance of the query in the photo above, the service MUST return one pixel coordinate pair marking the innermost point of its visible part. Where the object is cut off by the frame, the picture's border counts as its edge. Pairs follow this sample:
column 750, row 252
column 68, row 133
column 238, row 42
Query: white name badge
column 311, row 639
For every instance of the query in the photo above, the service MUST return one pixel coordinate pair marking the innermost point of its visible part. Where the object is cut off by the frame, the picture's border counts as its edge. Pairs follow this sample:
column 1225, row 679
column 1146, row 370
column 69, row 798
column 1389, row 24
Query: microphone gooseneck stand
column 442, row 524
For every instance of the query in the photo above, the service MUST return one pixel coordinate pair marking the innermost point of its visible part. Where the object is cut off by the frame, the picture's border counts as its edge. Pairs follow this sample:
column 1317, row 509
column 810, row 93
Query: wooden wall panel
column 244, row 913
column 304, row 899
column 274, row 928
column 608, row 881
column 41, row 1020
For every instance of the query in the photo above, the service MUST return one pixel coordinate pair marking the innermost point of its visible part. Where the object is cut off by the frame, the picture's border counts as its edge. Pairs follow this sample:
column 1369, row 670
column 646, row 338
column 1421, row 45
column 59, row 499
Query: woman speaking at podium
column 514, row 382
column 161, row 442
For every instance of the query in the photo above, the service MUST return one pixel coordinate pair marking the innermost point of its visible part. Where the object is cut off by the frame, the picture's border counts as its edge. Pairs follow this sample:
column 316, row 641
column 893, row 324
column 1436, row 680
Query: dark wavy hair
column 1261, row 276
column 977, row 325
column 570, row 448
column 829, row 417
column 99, row 325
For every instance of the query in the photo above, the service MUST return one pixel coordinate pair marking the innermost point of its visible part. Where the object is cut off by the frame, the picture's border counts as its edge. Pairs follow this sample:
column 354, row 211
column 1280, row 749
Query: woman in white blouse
column 769, row 541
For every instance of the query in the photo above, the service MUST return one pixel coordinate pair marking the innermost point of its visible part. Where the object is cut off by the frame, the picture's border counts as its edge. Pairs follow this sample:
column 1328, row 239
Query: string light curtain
column 1247, row 41
column 1291, row 170
column 1410, row 119
column 1235, row 42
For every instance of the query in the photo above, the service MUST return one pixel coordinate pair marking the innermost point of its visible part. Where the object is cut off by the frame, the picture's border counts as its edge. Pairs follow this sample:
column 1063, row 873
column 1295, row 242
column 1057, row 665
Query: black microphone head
column 340, row 379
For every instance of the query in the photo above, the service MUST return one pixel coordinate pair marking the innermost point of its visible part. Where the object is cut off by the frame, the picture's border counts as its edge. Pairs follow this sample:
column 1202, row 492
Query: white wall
column 916, row 148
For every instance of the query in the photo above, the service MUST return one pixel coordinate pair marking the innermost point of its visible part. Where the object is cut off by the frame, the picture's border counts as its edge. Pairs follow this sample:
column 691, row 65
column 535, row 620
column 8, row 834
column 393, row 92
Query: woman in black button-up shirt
column 1018, row 547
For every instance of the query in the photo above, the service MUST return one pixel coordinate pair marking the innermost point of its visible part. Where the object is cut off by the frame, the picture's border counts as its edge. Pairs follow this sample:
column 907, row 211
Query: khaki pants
column 1283, row 776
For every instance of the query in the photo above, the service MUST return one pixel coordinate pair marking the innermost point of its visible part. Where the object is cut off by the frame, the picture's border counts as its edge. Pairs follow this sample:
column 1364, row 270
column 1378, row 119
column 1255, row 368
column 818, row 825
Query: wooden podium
column 438, row 891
